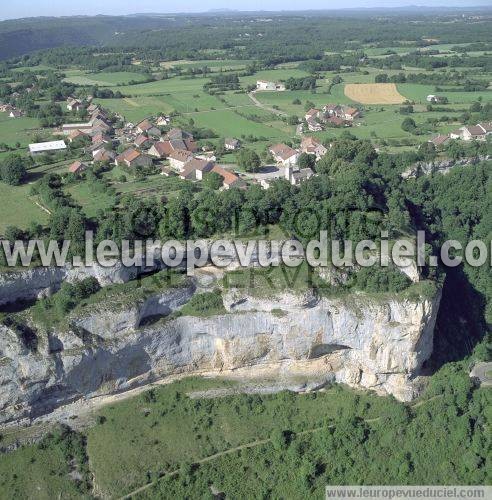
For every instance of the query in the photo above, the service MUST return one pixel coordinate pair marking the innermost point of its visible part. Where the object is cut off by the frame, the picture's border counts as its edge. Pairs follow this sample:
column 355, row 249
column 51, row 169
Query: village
column 245, row 254
column 174, row 151
column 153, row 143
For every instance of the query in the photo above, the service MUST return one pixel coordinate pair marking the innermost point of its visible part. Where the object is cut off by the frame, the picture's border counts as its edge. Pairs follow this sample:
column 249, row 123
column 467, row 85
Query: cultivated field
column 374, row 93
column 102, row 79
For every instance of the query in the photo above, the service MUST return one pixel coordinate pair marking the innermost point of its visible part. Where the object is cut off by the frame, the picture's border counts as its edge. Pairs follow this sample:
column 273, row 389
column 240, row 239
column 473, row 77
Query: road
column 264, row 106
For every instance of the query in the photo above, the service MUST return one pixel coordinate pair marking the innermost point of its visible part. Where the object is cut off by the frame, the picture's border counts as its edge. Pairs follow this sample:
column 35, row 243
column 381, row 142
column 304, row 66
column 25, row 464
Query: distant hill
column 22, row 36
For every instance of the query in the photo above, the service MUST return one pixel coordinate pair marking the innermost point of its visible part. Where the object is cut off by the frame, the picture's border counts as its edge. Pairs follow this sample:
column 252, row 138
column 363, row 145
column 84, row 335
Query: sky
column 29, row 8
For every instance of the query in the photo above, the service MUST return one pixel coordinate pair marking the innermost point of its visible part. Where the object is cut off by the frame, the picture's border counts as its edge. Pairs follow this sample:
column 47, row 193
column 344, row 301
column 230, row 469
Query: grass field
column 90, row 201
column 14, row 130
column 224, row 64
column 103, row 79
column 418, row 93
column 227, row 123
column 176, row 86
column 18, row 208
column 153, row 185
column 374, row 93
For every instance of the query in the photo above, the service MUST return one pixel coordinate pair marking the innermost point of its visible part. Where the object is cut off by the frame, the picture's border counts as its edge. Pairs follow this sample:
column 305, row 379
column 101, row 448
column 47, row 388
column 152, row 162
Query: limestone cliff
column 376, row 343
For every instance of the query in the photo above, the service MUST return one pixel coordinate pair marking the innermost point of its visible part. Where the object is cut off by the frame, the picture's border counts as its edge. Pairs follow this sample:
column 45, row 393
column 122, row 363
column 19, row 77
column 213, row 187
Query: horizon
column 23, row 9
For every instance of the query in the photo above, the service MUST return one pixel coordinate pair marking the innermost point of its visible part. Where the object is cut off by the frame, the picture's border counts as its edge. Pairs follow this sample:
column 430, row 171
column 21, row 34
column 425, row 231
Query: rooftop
column 38, row 147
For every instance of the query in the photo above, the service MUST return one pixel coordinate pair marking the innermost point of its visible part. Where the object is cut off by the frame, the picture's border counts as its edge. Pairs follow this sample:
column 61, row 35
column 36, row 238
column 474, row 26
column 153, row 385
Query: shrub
column 205, row 304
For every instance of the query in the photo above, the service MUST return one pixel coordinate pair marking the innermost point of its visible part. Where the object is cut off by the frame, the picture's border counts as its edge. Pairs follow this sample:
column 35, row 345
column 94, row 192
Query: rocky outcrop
column 22, row 284
column 378, row 344
column 37, row 282
column 441, row 166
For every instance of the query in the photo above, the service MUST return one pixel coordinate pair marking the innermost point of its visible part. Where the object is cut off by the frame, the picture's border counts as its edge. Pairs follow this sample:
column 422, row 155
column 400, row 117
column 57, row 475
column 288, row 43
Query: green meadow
column 19, row 208
column 14, row 130
column 103, row 79
column 227, row 123
column 418, row 93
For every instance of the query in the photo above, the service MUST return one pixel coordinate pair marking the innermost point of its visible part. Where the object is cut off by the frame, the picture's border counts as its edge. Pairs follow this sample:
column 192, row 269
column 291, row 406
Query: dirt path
column 229, row 451
column 210, row 458
column 259, row 104
column 252, row 444
column 42, row 208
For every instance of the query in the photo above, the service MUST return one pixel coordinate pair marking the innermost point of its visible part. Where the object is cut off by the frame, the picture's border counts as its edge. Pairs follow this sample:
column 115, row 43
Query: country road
column 264, row 106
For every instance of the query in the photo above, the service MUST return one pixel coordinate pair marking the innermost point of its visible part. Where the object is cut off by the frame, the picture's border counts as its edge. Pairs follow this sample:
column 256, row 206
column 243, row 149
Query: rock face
column 441, row 166
column 37, row 282
column 22, row 284
column 360, row 341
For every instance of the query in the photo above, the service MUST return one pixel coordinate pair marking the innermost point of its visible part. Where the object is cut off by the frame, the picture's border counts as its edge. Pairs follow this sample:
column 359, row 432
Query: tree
column 249, row 160
column 213, row 180
column 13, row 170
column 409, row 125
column 293, row 120
column 428, row 151
column 308, row 105
column 306, row 160
column 476, row 107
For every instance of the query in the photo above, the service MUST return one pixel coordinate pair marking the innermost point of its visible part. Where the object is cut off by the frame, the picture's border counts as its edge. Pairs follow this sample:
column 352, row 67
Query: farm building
column 195, row 168
column 232, row 144
column 104, row 155
column 310, row 145
column 76, row 134
column 162, row 121
column 435, row 99
column 75, row 104
column 39, row 148
column 230, row 179
column 146, row 127
column 158, row 149
column 313, row 124
column 142, row 141
column 295, row 176
column 77, row 167
column 477, row 132
column 133, row 158
column 266, row 85
column 68, row 128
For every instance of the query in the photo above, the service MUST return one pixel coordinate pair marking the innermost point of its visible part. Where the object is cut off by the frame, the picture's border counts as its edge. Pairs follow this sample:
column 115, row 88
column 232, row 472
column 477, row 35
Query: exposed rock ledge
column 441, row 166
column 360, row 341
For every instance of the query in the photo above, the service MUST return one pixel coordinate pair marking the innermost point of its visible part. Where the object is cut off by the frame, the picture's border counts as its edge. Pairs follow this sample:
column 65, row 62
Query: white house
column 39, row 148
column 266, row 85
column 284, row 155
column 231, row 144
column 179, row 158
column 162, row 121
column 473, row 132
column 74, row 104
column 196, row 168
column 296, row 176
